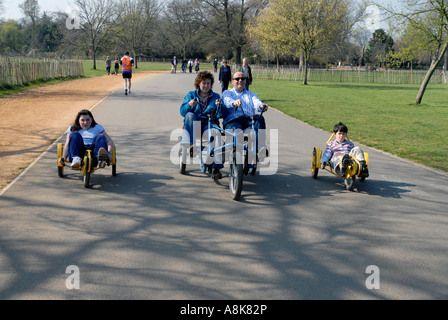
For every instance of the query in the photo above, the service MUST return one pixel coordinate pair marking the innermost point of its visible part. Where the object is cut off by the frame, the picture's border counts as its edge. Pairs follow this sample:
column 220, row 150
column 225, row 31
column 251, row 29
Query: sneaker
column 216, row 174
column 263, row 153
column 102, row 158
column 364, row 169
column 125, row 92
column 76, row 163
column 129, row 91
column 346, row 161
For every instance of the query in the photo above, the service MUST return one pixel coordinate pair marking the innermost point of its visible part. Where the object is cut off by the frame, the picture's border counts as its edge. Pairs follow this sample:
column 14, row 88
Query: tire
column 182, row 160
column 86, row 179
column 350, row 183
column 114, row 170
column 61, row 172
column 236, row 176
column 314, row 167
column 246, row 164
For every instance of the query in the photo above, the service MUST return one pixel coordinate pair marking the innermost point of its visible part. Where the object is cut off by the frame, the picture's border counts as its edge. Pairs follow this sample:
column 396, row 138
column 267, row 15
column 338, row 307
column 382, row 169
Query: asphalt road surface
column 152, row 233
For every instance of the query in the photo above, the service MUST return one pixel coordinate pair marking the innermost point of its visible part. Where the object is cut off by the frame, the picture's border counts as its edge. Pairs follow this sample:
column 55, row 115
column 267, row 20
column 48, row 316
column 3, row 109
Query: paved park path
column 151, row 233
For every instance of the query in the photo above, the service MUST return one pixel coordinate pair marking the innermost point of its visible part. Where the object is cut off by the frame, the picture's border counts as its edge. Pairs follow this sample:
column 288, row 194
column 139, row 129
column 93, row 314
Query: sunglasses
column 238, row 79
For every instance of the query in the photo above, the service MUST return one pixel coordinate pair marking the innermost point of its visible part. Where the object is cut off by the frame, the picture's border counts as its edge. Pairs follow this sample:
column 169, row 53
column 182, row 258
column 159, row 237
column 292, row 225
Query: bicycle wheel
column 314, row 167
column 236, row 176
column 350, row 183
column 87, row 161
column 182, row 159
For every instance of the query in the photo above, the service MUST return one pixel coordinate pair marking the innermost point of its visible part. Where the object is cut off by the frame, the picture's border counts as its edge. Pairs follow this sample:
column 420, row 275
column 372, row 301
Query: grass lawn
column 380, row 116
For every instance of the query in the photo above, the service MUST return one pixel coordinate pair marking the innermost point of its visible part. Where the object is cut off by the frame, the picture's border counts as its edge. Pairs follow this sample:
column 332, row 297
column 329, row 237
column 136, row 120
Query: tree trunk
column 305, row 71
column 238, row 55
column 429, row 74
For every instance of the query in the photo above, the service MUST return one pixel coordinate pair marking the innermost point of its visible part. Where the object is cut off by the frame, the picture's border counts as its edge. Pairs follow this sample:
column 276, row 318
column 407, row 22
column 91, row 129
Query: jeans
column 224, row 86
column 189, row 138
column 76, row 147
column 243, row 123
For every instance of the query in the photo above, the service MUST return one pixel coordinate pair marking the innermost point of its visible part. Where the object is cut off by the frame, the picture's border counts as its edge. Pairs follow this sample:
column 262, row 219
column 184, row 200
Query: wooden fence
column 21, row 71
column 348, row 75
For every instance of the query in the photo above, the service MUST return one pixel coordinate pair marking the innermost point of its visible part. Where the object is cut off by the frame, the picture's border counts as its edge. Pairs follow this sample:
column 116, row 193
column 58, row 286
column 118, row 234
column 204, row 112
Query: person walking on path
column 190, row 65
column 127, row 62
column 215, row 65
column 116, row 65
column 225, row 75
column 108, row 65
column 174, row 63
column 247, row 73
column 196, row 65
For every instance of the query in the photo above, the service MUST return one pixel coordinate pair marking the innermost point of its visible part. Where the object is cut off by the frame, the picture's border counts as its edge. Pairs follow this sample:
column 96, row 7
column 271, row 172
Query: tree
column 181, row 26
column 137, row 25
column 97, row 21
column 429, row 20
column 379, row 46
column 12, row 38
column 300, row 27
column 226, row 20
column 30, row 9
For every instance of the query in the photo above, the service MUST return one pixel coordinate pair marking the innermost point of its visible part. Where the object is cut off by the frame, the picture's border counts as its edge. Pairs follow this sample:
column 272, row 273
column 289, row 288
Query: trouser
column 243, row 123
column 76, row 147
column 224, row 86
column 356, row 152
column 189, row 132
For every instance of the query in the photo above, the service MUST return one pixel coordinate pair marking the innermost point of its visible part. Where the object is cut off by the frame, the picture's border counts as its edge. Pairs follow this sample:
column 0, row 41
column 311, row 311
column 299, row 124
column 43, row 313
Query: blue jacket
column 210, row 108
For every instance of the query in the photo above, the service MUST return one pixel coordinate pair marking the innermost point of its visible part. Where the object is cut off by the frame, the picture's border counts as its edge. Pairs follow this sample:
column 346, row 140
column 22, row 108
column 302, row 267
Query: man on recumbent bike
column 240, row 105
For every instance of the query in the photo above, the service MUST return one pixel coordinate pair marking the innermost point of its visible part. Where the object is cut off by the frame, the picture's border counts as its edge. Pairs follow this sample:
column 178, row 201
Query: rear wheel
column 236, row 176
column 182, row 159
column 87, row 162
column 61, row 172
column 314, row 165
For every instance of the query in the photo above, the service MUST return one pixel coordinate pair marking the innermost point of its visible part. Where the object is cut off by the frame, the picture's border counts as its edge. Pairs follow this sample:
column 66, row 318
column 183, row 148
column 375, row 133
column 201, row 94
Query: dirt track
column 31, row 121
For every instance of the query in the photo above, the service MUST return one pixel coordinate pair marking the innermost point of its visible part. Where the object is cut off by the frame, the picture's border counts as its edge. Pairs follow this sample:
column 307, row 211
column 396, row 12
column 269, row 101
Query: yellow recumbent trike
column 88, row 165
column 353, row 170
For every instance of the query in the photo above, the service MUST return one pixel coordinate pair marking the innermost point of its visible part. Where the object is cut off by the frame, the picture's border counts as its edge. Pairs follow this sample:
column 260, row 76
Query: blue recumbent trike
column 239, row 149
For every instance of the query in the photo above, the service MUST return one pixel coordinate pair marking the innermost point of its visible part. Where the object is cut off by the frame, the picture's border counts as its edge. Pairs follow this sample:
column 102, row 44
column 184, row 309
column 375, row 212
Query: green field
column 380, row 116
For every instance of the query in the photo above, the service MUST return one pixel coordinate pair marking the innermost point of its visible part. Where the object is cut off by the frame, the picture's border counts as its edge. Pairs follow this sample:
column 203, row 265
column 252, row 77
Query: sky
column 12, row 10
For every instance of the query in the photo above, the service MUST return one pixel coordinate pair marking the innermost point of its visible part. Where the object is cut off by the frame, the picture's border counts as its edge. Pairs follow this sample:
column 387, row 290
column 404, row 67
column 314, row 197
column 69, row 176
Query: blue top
column 251, row 104
column 90, row 134
column 209, row 108
column 225, row 73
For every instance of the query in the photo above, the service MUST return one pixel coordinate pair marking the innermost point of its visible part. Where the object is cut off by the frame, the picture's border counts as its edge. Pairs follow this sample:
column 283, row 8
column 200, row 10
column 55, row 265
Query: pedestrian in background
column 225, row 75
column 247, row 73
column 108, row 65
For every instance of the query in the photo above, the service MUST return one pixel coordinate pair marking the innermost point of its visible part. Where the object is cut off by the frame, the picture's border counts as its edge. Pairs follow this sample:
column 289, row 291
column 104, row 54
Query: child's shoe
column 346, row 162
column 102, row 158
column 76, row 163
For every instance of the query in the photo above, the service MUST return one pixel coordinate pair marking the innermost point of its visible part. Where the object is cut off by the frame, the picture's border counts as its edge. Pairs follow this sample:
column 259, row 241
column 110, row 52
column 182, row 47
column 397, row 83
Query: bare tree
column 226, row 20
column 30, row 9
column 181, row 26
column 97, row 19
column 138, row 24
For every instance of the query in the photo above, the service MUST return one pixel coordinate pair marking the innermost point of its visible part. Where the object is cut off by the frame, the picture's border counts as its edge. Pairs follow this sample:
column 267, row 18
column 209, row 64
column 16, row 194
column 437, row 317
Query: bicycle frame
column 238, row 142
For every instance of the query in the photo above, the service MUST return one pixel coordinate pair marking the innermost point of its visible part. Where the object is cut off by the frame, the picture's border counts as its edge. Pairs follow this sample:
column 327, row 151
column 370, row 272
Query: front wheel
column 87, row 162
column 236, row 176
column 314, row 164
column 182, row 159
column 350, row 183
